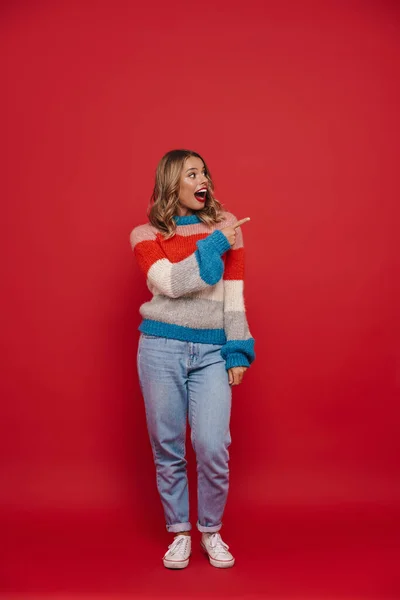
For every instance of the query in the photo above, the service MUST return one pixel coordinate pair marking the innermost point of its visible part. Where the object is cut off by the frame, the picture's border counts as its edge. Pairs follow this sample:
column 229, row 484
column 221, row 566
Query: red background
column 294, row 105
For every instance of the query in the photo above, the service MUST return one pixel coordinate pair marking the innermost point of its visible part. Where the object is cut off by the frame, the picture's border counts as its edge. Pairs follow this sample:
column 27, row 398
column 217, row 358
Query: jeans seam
column 193, row 420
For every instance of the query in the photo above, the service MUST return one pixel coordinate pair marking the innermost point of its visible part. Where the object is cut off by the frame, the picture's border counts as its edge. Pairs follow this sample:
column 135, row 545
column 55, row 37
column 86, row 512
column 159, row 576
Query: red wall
column 295, row 108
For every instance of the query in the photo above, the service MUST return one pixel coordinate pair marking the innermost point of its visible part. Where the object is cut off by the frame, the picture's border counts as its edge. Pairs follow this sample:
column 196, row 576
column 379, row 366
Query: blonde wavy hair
column 165, row 197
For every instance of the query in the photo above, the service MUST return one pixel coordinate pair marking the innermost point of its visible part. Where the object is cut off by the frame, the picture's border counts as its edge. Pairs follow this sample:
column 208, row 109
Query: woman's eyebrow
column 191, row 169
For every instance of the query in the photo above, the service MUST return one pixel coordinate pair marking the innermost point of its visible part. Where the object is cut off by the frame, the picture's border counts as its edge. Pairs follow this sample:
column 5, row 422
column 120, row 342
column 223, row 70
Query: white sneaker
column 177, row 555
column 217, row 550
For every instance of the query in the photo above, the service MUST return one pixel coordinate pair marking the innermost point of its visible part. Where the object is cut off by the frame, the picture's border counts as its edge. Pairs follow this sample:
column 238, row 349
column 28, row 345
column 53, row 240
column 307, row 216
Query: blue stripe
column 179, row 332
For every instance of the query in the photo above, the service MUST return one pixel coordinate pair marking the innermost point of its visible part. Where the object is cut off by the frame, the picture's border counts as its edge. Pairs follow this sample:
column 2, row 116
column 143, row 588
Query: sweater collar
column 186, row 220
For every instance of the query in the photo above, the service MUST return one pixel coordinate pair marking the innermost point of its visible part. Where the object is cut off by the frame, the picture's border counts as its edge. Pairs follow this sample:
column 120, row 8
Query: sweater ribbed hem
column 186, row 219
column 185, row 334
column 236, row 359
column 220, row 241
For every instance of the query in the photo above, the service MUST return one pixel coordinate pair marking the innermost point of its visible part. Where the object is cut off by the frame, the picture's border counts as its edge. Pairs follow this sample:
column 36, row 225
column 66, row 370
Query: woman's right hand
column 230, row 232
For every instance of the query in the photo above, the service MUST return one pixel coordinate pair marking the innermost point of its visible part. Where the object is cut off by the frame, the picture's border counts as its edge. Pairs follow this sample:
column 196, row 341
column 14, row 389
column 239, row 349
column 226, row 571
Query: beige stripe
column 159, row 275
column 141, row 233
column 148, row 232
column 233, row 295
column 197, row 228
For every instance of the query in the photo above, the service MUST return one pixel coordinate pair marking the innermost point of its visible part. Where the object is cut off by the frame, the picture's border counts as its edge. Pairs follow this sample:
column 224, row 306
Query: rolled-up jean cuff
column 210, row 529
column 177, row 527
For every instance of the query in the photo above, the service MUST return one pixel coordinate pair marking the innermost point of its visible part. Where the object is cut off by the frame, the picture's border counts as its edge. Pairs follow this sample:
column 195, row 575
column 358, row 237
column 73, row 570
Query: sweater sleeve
column 239, row 348
column 196, row 272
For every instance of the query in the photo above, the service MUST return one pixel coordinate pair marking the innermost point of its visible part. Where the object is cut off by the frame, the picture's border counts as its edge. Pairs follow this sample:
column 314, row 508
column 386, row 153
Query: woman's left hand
column 235, row 375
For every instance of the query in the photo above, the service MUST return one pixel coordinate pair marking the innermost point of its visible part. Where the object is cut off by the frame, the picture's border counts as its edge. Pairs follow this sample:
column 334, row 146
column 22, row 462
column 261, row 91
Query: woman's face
column 193, row 186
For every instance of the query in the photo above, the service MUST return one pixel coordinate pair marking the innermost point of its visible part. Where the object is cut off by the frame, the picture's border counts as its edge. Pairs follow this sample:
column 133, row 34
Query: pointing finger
column 239, row 223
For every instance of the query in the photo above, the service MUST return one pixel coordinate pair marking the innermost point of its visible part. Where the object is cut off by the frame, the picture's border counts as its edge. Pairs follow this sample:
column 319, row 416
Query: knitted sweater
column 196, row 279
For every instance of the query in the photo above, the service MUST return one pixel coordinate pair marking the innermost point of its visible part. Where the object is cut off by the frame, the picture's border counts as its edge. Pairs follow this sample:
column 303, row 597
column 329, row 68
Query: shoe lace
column 216, row 542
column 176, row 545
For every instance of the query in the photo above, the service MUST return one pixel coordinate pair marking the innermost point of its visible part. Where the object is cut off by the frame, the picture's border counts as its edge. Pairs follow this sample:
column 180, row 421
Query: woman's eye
column 194, row 174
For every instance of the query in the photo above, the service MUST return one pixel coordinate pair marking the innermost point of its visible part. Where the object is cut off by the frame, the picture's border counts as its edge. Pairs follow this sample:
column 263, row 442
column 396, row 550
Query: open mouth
column 201, row 195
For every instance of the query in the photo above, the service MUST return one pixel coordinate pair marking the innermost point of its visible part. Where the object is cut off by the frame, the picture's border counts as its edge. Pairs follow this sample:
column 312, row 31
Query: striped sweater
column 196, row 279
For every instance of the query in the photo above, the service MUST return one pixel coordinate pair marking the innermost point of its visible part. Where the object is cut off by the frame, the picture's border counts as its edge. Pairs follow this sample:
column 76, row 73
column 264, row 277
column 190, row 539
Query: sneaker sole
column 220, row 564
column 176, row 564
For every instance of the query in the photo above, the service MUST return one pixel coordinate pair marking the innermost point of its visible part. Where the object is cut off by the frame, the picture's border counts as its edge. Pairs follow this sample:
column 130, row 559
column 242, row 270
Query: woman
column 194, row 345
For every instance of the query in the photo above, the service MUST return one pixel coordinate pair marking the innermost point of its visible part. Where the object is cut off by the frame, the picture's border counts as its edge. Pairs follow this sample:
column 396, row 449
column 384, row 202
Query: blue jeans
column 179, row 381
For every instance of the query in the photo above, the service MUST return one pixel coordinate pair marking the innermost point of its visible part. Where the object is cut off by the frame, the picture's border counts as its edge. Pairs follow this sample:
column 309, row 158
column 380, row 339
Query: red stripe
column 147, row 253
column 234, row 264
column 180, row 247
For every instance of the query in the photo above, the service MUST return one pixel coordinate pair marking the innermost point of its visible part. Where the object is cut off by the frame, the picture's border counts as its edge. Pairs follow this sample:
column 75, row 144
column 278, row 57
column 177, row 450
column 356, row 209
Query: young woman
column 194, row 345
